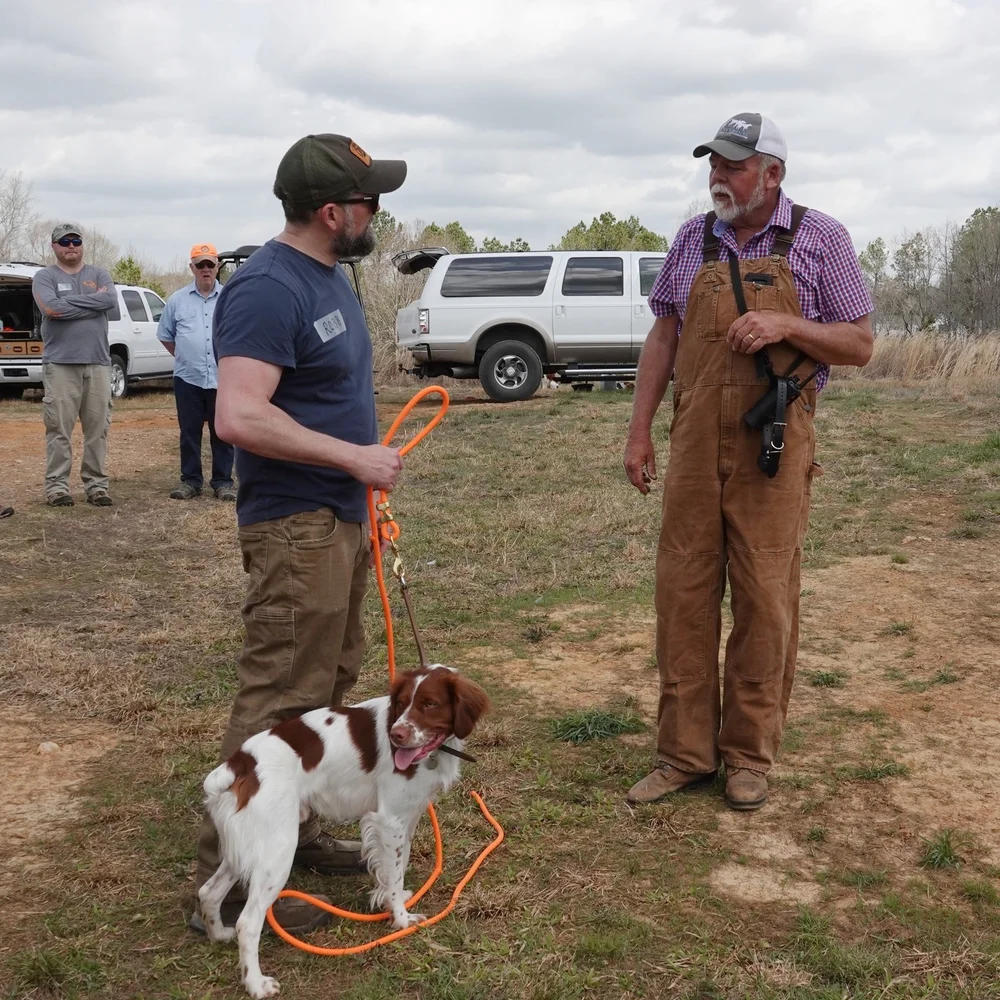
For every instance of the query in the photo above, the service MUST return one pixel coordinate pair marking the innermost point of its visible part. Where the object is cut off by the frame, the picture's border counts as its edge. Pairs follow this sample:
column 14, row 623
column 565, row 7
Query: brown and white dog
column 374, row 762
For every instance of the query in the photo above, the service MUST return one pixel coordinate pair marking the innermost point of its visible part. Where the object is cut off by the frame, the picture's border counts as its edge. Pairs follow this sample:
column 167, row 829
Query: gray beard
column 730, row 211
column 351, row 244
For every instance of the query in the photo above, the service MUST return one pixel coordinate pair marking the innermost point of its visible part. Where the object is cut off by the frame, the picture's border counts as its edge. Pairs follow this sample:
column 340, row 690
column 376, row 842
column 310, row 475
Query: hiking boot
column 329, row 856
column 295, row 915
column 184, row 492
column 227, row 493
column 99, row 498
column 59, row 500
column 745, row 789
column 662, row 781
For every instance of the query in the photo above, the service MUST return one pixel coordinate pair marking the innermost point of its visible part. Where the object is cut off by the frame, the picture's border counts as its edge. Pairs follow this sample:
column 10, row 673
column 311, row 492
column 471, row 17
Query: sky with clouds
column 163, row 124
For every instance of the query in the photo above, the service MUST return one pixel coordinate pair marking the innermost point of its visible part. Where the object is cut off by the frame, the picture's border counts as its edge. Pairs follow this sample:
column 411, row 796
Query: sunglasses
column 205, row 263
column 371, row 200
column 67, row 241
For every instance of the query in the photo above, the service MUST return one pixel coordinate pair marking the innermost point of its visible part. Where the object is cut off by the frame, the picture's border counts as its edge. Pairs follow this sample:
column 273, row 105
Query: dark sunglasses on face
column 205, row 263
column 371, row 200
column 67, row 241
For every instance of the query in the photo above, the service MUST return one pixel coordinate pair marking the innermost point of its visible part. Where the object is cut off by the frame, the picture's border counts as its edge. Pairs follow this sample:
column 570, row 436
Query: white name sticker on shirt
column 63, row 287
column 331, row 325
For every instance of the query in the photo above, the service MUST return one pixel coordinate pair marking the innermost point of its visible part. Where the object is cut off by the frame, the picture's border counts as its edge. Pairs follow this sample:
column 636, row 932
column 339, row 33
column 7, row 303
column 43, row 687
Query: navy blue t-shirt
column 286, row 308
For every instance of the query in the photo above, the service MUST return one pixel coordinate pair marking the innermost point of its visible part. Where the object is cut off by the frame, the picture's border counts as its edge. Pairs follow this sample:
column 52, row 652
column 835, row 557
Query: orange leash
column 388, row 530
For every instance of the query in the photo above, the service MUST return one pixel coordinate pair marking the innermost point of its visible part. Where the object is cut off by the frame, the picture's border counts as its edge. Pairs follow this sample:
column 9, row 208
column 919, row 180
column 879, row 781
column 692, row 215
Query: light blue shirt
column 187, row 324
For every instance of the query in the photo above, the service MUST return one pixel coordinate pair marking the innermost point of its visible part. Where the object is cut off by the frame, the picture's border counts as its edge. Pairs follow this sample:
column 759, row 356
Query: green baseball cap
column 320, row 169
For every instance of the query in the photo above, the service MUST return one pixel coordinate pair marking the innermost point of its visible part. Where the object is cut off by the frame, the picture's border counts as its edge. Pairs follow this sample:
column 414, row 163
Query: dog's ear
column 469, row 701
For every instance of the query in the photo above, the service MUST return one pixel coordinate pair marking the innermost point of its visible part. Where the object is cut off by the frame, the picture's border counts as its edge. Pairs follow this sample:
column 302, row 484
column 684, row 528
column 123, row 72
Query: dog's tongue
column 404, row 756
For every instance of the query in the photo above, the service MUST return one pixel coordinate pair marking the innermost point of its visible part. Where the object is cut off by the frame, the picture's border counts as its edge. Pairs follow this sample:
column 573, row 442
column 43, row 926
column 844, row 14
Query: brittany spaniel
column 377, row 762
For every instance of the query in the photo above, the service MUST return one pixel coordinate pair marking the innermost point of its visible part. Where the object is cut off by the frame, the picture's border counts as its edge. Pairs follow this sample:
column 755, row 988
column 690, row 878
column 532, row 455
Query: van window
column 594, row 276
column 155, row 305
column 478, row 277
column 135, row 307
column 649, row 268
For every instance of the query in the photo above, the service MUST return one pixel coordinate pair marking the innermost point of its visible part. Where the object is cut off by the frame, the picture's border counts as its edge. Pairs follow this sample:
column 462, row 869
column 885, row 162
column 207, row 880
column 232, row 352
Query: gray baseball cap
column 744, row 135
column 66, row 229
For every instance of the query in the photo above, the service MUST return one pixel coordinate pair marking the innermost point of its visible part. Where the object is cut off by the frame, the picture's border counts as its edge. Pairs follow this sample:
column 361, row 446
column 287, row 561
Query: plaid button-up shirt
column 822, row 261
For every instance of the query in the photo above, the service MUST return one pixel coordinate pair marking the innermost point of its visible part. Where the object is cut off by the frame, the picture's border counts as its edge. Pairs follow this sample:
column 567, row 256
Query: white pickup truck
column 136, row 354
column 510, row 318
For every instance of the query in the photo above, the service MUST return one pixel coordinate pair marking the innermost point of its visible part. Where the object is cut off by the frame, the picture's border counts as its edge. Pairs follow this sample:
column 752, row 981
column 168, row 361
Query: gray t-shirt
column 75, row 312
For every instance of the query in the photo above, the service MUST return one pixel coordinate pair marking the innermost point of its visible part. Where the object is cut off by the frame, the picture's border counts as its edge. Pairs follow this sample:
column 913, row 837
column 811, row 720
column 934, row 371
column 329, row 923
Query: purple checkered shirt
column 825, row 269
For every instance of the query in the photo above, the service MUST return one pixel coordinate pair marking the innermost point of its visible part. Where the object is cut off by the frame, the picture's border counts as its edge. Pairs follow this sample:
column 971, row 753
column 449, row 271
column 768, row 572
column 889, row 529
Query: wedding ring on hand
column 751, row 337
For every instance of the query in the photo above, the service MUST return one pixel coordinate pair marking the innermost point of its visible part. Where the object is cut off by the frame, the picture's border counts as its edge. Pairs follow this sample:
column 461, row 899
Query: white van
column 507, row 319
column 136, row 354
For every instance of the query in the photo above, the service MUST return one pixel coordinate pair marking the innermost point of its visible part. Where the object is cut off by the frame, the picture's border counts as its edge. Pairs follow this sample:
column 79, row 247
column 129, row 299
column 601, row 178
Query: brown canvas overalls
column 720, row 512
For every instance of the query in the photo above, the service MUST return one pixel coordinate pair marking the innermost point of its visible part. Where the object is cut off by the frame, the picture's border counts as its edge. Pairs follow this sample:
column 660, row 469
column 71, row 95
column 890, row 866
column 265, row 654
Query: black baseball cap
column 325, row 168
column 744, row 135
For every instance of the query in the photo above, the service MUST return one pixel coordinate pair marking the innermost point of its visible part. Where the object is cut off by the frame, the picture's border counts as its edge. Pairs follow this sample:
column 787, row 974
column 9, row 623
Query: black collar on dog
column 457, row 753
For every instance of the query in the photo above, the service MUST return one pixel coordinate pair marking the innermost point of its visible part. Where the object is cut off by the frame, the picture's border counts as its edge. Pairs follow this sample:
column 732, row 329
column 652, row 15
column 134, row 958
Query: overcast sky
column 163, row 124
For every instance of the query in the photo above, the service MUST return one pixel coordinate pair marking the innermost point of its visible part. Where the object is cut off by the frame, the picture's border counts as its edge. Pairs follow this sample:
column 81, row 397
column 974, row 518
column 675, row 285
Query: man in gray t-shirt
column 76, row 301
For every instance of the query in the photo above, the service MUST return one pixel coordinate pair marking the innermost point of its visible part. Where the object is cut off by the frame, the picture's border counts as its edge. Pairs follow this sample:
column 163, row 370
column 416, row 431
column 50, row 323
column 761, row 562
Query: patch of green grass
column 898, row 628
column 595, row 724
column 987, row 450
column 875, row 772
column 968, row 531
column 862, row 879
column 980, row 891
column 942, row 850
column 61, row 973
column 900, row 559
column 826, row 678
column 847, row 966
column 816, row 835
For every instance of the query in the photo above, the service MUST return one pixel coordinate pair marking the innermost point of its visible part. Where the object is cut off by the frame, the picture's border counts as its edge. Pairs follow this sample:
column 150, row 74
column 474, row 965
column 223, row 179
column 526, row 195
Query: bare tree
column 17, row 218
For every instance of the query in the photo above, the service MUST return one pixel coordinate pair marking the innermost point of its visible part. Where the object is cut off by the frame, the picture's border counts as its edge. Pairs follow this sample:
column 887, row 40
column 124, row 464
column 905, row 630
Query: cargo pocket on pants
column 49, row 418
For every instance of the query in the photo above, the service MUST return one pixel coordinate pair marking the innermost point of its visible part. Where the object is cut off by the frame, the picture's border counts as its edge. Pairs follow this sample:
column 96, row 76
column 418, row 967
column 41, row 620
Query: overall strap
column 783, row 241
column 710, row 242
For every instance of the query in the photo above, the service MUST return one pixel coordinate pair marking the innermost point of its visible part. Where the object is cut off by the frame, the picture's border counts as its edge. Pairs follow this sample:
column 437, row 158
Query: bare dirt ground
column 891, row 732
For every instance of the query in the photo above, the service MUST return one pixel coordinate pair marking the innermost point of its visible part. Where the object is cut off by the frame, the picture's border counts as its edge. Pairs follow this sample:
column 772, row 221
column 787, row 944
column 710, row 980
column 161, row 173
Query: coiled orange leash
column 386, row 529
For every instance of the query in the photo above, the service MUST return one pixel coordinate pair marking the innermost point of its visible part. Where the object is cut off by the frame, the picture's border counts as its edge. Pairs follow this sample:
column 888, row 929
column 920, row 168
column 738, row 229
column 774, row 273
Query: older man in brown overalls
column 756, row 299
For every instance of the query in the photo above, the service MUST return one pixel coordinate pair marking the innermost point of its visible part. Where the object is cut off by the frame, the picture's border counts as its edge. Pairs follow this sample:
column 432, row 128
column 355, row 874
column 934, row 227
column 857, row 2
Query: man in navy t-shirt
column 296, row 397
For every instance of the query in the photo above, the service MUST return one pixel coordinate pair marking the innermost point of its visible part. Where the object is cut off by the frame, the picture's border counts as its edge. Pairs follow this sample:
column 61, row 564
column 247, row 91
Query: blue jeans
column 195, row 407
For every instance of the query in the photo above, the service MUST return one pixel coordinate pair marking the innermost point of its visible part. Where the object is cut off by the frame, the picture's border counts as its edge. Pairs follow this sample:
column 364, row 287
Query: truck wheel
column 11, row 391
column 119, row 377
column 510, row 371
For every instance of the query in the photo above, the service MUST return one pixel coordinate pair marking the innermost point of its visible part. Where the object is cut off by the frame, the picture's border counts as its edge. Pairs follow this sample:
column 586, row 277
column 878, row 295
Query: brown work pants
column 305, row 636
column 722, row 516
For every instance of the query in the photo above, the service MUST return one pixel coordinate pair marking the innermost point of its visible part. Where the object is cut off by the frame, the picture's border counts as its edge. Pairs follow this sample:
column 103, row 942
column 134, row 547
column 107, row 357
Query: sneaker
column 99, row 498
column 185, row 492
column 745, row 789
column 60, row 500
column 329, row 856
column 296, row 916
column 662, row 781
column 227, row 493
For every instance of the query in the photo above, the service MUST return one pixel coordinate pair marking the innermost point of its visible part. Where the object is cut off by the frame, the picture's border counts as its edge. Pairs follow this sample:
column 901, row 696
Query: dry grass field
column 874, row 870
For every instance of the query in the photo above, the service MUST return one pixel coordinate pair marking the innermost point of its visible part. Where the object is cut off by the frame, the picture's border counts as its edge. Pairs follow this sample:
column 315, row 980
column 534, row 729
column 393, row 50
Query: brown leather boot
column 329, row 856
column 296, row 915
column 745, row 789
column 662, row 781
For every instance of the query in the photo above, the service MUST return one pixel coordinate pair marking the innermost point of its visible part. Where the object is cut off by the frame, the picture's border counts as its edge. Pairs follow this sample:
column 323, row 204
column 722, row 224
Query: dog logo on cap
column 360, row 154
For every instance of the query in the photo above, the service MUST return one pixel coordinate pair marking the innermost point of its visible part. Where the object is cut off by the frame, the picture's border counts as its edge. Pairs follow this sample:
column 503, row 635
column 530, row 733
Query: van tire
column 510, row 371
column 119, row 377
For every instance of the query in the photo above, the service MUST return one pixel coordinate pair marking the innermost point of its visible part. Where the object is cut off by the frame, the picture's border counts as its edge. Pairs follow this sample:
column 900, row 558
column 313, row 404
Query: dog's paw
column 408, row 920
column 264, row 987
column 221, row 934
